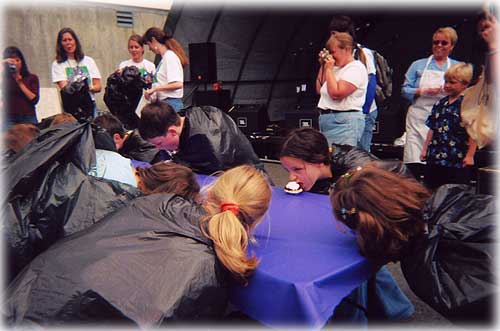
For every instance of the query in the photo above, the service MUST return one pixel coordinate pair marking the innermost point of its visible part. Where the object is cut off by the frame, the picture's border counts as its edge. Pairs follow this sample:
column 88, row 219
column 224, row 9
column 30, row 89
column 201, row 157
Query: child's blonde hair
column 247, row 192
column 460, row 71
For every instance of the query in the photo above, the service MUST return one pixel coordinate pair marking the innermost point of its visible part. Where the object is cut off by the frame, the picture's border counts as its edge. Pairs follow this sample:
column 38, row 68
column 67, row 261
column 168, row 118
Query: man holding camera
column 22, row 89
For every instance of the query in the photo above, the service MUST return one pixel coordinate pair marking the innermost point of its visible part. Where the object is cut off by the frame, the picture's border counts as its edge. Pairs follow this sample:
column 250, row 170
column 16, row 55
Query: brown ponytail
column 247, row 189
column 362, row 56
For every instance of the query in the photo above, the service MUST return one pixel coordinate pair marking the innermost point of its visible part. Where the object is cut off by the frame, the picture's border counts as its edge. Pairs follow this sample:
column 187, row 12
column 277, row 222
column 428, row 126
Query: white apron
column 419, row 111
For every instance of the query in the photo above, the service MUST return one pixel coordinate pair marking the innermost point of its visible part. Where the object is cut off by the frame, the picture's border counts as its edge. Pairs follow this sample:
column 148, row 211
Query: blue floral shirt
column 450, row 141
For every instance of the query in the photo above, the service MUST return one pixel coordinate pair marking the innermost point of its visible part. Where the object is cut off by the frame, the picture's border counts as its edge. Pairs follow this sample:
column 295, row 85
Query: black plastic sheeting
column 76, row 99
column 125, row 270
column 264, row 53
column 453, row 269
column 122, row 95
column 210, row 141
column 49, row 194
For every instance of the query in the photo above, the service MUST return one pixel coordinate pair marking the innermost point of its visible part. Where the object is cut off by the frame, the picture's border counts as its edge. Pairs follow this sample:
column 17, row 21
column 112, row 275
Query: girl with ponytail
column 162, row 258
column 235, row 205
column 168, row 82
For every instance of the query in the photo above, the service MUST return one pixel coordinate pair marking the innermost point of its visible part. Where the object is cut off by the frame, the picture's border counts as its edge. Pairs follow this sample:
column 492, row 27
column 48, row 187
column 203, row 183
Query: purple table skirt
column 308, row 263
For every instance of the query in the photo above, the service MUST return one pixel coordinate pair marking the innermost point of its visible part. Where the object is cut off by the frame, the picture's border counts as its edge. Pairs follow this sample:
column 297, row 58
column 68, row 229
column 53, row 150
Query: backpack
column 384, row 80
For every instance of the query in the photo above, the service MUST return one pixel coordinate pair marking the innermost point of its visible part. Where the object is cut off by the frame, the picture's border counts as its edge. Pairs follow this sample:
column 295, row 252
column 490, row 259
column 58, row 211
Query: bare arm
column 469, row 157
column 96, row 85
column 423, row 154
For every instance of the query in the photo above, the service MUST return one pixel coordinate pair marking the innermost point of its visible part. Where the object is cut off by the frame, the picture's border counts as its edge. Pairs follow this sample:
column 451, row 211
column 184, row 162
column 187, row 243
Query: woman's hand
column 423, row 155
column 429, row 91
column 148, row 94
column 468, row 161
column 329, row 62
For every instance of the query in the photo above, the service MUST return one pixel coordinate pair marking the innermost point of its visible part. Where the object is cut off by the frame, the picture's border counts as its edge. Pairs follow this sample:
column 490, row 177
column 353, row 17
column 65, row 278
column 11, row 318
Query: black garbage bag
column 49, row 194
column 146, row 264
column 123, row 92
column 452, row 270
column 136, row 148
column 210, row 141
column 76, row 98
column 345, row 157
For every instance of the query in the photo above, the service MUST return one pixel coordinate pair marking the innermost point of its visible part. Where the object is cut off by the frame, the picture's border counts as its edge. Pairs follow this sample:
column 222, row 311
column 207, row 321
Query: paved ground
column 424, row 317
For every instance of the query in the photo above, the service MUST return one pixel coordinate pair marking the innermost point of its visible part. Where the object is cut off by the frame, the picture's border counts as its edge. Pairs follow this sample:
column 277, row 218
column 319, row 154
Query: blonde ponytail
column 249, row 194
column 230, row 240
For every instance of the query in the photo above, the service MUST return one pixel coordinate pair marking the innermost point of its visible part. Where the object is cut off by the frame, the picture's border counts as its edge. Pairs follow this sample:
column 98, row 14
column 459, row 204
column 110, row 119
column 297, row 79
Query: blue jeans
column 366, row 137
column 377, row 299
column 19, row 119
column 344, row 128
column 175, row 103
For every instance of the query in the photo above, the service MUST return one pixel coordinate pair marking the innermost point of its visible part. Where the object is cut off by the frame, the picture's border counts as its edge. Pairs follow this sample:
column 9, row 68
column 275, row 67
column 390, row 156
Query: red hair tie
column 230, row 206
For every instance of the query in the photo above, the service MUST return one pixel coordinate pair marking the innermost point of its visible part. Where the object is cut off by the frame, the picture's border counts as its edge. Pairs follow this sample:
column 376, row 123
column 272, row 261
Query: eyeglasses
column 442, row 42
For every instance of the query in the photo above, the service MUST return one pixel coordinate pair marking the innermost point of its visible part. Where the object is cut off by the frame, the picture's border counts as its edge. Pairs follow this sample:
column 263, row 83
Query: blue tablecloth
column 309, row 263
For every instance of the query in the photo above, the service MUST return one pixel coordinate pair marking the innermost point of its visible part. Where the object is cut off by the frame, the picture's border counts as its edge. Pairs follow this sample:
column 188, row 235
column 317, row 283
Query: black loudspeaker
column 387, row 127
column 487, row 178
column 220, row 99
column 302, row 118
column 202, row 62
column 250, row 118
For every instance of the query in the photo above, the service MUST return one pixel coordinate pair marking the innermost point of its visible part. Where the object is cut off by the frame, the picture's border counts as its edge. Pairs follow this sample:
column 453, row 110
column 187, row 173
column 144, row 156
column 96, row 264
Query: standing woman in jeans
column 21, row 88
column 70, row 61
column 341, row 83
column 168, row 83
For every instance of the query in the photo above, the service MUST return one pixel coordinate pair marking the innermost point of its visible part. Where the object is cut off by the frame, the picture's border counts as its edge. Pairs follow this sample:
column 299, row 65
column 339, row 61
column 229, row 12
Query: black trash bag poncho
column 452, row 270
column 76, row 98
column 210, row 141
column 49, row 194
column 123, row 92
column 345, row 157
column 146, row 264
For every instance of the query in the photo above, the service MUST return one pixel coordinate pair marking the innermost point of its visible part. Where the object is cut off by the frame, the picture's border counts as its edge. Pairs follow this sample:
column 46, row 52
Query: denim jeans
column 366, row 137
column 343, row 128
column 175, row 103
column 18, row 119
column 378, row 298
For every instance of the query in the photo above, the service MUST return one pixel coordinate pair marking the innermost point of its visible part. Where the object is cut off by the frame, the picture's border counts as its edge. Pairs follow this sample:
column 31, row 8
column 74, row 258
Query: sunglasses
column 442, row 42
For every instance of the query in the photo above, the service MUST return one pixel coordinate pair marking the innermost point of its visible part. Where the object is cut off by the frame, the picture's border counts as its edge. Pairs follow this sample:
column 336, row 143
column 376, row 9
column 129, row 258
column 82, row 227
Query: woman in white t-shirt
column 168, row 83
column 136, row 51
column 341, row 83
column 70, row 60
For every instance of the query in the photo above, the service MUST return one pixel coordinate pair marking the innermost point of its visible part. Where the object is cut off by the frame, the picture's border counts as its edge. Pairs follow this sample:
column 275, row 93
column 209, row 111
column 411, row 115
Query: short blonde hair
column 460, row 71
column 248, row 189
column 448, row 32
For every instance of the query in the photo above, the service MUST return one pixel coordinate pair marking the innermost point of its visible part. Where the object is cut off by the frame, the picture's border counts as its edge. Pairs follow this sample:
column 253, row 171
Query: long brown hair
column 61, row 55
column 384, row 208
column 168, row 177
column 247, row 190
column 170, row 42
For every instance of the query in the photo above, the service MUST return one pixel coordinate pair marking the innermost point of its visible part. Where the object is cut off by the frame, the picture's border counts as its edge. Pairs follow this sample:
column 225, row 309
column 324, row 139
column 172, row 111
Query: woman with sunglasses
column 423, row 87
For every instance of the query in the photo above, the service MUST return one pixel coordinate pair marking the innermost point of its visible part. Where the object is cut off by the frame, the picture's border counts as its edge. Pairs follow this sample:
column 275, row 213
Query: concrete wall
column 34, row 29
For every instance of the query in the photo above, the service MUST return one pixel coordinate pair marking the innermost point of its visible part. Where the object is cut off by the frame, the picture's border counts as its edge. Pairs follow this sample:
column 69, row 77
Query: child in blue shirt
column 448, row 149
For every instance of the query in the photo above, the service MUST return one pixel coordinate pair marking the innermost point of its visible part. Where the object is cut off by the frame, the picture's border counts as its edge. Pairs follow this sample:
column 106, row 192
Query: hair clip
column 345, row 212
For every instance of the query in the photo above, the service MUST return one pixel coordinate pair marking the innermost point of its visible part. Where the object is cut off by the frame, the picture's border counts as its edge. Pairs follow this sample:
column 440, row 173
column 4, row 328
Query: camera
column 11, row 68
column 323, row 54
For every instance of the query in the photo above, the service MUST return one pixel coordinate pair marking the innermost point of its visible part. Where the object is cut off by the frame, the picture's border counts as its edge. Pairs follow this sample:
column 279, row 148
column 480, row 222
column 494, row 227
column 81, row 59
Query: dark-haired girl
column 22, row 88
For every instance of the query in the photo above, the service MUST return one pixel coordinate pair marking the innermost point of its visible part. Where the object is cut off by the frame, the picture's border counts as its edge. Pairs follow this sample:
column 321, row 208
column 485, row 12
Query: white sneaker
column 401, row 141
